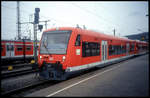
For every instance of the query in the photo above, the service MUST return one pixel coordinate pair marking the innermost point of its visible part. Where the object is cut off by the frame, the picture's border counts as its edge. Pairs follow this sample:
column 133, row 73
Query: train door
column 12, row 49
column 9, row 50
column 127, row 48
column 8, row 53
column 104, row 50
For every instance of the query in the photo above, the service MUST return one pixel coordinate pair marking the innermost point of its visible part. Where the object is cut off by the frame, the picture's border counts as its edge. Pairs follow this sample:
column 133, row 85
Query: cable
column 91, row 12
column 112, row 26
column 15, row 9
column 32, row 13
column 8, row 7
column 58, row 20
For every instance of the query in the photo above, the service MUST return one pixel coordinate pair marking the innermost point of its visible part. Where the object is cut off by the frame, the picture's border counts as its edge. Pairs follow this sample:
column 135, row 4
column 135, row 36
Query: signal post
column 36, row 21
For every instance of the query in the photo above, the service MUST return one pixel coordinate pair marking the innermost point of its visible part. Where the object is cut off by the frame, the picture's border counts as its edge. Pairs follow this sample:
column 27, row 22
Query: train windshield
column 54, row 42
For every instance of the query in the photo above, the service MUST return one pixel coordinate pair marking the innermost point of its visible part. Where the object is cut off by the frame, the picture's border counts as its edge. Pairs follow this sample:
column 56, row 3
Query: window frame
column 19, row 46
column 27, row 48
column 78, row 40
column 90, row 49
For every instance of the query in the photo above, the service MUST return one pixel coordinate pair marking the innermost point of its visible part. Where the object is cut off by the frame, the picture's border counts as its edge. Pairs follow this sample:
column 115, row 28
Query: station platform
column 127, row 78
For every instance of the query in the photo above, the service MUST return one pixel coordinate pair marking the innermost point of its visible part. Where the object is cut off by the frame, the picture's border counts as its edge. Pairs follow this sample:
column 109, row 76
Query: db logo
column 51, row 58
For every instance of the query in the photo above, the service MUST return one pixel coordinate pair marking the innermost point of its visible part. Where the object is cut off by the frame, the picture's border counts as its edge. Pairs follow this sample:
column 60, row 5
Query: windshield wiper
column 46, row 48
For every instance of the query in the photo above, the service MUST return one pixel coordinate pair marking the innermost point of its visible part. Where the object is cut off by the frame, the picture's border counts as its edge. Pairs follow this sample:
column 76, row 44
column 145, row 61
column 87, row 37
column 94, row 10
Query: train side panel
column 13, row 50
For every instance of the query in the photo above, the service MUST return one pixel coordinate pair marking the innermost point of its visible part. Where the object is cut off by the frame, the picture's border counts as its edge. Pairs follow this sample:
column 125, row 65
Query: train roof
column 60, row 28
column 94, row 33
column 88, row 32
column 18, row 40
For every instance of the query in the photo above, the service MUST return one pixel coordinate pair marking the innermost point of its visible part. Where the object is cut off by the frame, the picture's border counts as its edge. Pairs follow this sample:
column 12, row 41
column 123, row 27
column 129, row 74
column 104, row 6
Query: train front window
column 54, row 42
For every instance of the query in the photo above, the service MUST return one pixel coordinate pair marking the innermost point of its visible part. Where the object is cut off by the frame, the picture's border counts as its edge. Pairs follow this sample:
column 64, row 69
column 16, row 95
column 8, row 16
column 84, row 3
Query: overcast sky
column 126, row 17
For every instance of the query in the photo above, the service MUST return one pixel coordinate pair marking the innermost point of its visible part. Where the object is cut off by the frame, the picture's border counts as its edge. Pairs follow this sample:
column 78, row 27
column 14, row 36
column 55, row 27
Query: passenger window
column 78, row 42
column 110, row 50
column 19, row 48
column 28, row 48
column 90, row 49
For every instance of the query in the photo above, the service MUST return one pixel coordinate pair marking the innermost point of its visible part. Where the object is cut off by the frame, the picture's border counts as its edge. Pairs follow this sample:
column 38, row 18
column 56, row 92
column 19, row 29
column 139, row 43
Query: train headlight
column 63, row 58
column 40, row 57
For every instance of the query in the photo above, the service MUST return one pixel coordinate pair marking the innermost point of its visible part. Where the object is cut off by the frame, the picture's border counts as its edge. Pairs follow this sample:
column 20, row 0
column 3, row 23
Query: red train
column 16, row 50
column 66, row 50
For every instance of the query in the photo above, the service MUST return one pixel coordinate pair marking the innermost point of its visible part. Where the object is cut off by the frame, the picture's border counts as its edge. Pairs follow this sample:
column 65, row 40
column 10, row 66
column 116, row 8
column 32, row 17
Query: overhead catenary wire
column 8, row 7
column 103, row 25
column 57, row 21
column 110, row 23
column 91, row 12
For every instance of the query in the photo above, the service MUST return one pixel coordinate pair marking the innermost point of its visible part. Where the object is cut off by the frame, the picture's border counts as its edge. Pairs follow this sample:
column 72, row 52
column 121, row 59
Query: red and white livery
column 14, row 50
column 67, row 50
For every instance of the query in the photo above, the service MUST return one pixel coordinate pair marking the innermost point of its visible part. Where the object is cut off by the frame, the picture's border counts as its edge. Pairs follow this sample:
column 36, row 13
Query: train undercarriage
column 53, row 71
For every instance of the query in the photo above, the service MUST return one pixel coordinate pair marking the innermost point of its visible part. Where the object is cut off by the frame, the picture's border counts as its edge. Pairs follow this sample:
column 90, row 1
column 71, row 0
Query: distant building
column 141, row 36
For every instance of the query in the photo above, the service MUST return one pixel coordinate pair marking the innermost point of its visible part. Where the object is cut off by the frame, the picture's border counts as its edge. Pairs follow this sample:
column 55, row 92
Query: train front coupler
column 52, row 71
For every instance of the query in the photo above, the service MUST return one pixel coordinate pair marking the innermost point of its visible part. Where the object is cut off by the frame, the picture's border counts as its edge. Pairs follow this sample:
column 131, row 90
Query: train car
column 16, row 50
column 67, row 50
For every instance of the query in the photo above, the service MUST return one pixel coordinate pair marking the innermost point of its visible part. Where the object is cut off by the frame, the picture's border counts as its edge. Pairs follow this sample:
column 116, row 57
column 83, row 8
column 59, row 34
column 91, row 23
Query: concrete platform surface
column 128, row 78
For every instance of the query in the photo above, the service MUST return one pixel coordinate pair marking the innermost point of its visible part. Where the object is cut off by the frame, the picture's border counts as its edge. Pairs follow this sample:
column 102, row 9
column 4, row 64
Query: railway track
column 23, row 88
column 15, row 66
column 18, row 69
column 7, row 63
column 17, row 73
column 13, row 89
column 34, row 85
column 23, row 71
column 20, row 86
